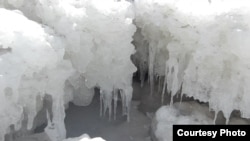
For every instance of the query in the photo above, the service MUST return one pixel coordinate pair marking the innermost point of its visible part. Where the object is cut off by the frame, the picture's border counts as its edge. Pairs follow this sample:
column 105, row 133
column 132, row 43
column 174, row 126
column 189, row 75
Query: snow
column 31, row 67
column 184, row 113
column 44, row 137
column 55, row 42
column 206, row 44
column 66, row 48
column 84, row 137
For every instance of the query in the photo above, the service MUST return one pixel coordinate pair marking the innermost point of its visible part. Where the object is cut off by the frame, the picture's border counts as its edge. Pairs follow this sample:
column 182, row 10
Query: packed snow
column 65, row 49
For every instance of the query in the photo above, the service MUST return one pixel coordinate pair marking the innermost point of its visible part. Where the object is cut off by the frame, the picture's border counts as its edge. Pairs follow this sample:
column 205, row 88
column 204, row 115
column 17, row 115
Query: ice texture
column 32, row 67
column 206, row 47
column 58, row 47
column 63, row 49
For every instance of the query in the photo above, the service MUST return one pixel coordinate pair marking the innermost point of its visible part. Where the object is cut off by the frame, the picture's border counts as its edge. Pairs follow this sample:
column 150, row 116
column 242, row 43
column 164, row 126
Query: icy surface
column 206, row 46
column 60, row 48
column 33, row 66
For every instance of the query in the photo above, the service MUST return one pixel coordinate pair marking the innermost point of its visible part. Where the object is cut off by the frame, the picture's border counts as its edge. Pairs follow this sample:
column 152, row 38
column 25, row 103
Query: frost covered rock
column 206, row 45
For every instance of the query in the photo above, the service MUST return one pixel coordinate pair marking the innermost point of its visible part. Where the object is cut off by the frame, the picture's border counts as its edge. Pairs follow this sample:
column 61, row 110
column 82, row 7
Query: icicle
column 159, row 84
column 105, row 105
column 115, row 98
column 215, row 116
column 164, row 84
column 123, row 102
column 48, row 119
column 109, row 100
column 56, row 130
column 163, row 93
column 106, row 100
column 181, row 93
column 49, row 130
column 227, row 116
column 128, row 94
column 101, row 102
column 172, row 99
column 181, row 99
column 151, row 68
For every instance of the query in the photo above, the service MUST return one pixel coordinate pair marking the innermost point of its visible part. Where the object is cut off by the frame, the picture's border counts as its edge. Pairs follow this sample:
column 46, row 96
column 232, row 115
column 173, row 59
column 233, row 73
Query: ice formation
column 66, row 48
column 33, row 67
column 206, row 47
column 57, row 47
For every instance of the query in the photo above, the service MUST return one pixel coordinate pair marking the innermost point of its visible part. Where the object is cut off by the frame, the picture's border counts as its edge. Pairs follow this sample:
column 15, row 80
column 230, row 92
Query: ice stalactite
column 66, row 32
column 106, row 98
column 115, row 98
column 56, row 128
column 126, row 95
column 206, row 45
column 34, row 66
column 152, row 53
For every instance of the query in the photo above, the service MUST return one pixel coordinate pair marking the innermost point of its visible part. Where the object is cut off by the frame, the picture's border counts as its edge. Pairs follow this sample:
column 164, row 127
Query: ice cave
column 121, row 70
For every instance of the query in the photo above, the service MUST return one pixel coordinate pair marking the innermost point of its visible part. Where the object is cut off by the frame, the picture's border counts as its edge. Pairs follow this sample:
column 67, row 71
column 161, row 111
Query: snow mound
column 179, row 113
column 84, row 137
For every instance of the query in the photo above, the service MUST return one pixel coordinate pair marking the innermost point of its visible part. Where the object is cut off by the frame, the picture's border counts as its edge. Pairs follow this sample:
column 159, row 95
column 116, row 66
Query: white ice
column 58, row 47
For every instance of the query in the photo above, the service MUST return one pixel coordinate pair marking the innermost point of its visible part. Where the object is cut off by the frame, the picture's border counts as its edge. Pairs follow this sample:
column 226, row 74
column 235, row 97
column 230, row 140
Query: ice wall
column 58, row 41
column 207, row 44
column 31, row 65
